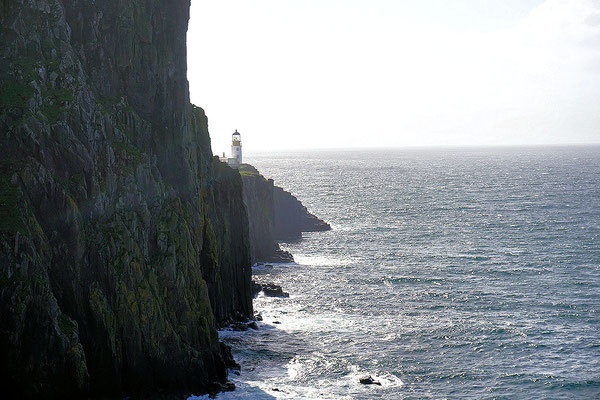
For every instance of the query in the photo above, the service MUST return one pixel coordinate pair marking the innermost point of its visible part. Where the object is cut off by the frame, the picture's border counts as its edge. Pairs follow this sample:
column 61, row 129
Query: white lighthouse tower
column 236, row 149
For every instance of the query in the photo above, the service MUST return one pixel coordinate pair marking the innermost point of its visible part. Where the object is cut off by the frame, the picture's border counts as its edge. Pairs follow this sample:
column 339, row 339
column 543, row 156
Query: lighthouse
column 235, row 160
column 236, row 148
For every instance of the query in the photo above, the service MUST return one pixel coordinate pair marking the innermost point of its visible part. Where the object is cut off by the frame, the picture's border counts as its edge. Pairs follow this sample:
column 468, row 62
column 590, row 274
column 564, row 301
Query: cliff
column 123, row 243
column 258, row 198
column 291, row 218
column 273, row 214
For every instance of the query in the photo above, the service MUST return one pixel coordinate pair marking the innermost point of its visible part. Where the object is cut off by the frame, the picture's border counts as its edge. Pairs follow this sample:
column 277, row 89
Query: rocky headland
column 274, row 214
column 292, row 218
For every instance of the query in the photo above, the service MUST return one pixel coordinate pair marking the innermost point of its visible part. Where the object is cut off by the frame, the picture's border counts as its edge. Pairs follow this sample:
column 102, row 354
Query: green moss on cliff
column 67, row 325
column 26, row 69
column 11, row 203
column 14, row 94
column 247, row 173
column 56, row 102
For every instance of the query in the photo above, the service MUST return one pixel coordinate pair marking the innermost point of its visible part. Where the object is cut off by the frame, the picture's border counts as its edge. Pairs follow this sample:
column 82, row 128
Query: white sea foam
column 319, row 261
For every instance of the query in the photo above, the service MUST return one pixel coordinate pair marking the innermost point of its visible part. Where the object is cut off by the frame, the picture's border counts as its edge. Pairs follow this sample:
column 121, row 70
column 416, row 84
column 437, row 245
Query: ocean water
column 449, row 274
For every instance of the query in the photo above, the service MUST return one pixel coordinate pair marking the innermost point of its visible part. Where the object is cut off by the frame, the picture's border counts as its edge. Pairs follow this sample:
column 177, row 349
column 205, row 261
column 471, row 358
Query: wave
column 321, row 261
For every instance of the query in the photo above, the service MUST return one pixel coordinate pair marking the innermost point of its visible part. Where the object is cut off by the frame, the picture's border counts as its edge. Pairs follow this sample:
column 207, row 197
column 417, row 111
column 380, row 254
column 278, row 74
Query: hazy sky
column 292, row 74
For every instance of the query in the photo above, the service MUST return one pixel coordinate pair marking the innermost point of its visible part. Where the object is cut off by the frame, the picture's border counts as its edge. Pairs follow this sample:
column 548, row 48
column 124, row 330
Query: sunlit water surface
column 456, row 273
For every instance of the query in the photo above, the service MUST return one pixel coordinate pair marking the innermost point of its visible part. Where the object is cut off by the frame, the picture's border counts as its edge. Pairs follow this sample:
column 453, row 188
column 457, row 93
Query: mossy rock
column 11, row 206
column 14, row 94
column 67, row 325
column 56, row 102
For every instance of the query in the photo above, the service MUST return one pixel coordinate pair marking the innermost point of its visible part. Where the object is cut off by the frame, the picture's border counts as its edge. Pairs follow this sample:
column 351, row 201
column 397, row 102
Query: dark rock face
column 226, row 253
column 228, row 357
column 368, row 380
column 272, row 290
column 258, row 197
column 273, row 214
column 291, row 218
column 256, row 288
column 123, row 243
column 269, row 289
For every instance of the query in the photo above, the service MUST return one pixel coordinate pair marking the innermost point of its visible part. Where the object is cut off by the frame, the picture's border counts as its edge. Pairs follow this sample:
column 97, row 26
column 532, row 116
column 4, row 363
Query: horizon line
column 433, row 146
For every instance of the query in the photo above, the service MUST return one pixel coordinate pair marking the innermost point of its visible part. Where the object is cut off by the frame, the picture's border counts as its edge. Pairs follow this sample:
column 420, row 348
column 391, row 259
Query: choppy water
column 462, row 273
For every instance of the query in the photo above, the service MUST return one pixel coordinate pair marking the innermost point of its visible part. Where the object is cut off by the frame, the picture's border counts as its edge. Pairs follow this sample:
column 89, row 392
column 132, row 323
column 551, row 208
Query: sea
column 449, row 273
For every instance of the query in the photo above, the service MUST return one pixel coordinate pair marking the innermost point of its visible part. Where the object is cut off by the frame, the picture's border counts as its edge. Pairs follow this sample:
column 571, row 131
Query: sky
column 308, row 74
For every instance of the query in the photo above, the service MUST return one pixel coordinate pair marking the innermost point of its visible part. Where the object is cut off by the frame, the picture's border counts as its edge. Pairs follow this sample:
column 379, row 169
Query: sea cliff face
column 292, row 218
column 273, row 214
column 123, row 243
column 258, row 198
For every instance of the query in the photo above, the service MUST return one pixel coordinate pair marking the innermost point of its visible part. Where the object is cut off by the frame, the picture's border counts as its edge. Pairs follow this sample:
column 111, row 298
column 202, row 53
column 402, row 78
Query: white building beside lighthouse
column 236, row 151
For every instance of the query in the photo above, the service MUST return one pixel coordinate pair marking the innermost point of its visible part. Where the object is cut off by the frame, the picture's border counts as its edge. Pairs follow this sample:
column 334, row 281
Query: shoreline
column 234, row 328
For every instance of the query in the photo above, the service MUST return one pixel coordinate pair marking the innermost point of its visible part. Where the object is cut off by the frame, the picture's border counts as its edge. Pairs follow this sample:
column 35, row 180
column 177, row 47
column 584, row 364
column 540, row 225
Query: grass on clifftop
column 247, row 173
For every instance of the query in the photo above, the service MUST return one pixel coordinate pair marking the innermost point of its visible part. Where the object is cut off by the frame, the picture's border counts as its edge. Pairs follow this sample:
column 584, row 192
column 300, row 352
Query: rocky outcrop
column 123, row 243
column 269, row 289
column 368, row 380
column 291, row 218
column 273, row 214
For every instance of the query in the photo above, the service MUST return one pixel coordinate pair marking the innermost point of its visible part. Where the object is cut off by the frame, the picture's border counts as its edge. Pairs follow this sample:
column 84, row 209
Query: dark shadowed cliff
column 123, row 243
column 273, row 214
column 292, row 218
column 258, row 197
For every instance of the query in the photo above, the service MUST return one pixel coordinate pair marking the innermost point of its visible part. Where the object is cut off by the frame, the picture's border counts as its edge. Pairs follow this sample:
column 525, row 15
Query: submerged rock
column 272, row 290
column 216, row 389
column 242, row 326
column 269, row 289
column 228, row 387
column 239, row 327
column 256, row 289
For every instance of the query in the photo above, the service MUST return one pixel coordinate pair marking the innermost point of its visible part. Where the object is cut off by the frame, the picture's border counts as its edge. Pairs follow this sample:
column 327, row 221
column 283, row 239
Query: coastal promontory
column 274, row 214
